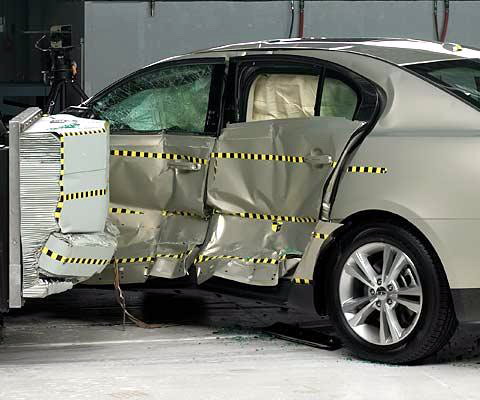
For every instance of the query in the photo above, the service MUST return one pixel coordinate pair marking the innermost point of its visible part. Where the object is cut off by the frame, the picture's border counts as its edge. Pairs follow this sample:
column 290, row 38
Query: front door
column 163, row 123
column 292, row 118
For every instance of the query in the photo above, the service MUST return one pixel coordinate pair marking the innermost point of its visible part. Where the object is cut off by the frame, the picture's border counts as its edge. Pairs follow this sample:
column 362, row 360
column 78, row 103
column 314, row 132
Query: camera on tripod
column 59, row 69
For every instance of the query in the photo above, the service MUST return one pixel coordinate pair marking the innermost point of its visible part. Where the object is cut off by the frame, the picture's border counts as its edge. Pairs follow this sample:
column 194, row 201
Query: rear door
column 290, row 119
column 163, row 123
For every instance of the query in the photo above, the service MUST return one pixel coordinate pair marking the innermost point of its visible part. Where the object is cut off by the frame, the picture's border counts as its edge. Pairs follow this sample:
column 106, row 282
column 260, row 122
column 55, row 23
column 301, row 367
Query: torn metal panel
column 160, row 172
column 249, row 250
column 305, row 271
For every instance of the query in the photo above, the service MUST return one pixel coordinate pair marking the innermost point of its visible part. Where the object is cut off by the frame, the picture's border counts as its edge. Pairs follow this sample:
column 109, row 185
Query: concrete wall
column 121, row 36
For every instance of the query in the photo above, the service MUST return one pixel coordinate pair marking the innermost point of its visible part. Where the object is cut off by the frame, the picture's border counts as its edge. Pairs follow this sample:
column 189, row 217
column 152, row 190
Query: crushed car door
column 163, row 123
column 292, row 120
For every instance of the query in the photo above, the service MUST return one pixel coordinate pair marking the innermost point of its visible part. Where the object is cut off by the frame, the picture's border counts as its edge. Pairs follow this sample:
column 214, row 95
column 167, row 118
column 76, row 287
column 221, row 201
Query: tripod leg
column 53, row 96
column 79, row 90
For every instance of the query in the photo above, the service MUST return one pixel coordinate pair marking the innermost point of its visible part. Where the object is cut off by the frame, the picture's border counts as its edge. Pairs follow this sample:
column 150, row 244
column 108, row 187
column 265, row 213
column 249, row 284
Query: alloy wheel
column 380, row 293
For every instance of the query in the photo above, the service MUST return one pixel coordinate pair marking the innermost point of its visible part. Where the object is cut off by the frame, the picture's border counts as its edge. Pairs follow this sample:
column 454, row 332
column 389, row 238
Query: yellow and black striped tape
column 270, row 217
column 161, row 156
column 259, row 157
column 318, row 235
column 171, row 213
column 115, row 210
column 253, row 260
column 303, row 281
column 74, row 260
column 367, row 169
column 134, row 260
column 276, row 225
column 85, row 195
column 84, row 133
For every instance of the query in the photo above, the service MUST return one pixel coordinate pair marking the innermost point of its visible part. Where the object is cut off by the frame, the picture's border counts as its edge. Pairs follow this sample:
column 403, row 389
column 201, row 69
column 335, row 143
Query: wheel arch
column 332, row 249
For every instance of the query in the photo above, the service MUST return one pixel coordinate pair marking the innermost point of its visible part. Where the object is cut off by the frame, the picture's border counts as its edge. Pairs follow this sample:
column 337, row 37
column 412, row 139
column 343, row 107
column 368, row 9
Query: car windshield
column 461, row 77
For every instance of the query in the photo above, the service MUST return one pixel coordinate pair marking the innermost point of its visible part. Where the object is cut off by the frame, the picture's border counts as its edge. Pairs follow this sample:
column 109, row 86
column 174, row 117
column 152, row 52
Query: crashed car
column 338, row 176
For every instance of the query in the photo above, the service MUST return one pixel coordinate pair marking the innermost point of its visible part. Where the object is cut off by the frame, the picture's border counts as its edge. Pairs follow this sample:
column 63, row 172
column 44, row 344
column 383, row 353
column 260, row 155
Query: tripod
column 60, row 74
column 63, row 75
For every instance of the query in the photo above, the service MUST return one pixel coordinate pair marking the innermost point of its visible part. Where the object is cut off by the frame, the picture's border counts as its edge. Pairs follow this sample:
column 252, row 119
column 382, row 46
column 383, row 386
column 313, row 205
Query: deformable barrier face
column 64, row 202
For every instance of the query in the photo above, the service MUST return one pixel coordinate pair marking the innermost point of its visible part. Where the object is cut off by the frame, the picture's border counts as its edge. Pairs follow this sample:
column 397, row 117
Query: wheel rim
column 380, row 293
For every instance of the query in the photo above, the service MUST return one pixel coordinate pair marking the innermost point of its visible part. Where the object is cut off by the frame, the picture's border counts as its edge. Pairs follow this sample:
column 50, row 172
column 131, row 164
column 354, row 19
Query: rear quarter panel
column 432, row 181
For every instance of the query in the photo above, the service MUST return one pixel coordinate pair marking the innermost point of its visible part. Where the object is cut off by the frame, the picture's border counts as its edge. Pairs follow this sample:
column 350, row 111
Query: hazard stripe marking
column 367, row 169
column 85, row 195
column 74, row 260
column 115, row 210
column 84, row 133
column 132, row 260
column 271, row 261
column 318, row 235
column 269, row 217
column 161, row 156
column 171, row 213
column 303, row 281
column 259, row 157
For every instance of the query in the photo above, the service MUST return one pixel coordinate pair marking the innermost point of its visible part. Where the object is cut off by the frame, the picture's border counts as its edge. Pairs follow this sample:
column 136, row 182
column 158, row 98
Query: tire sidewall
column 429, row 279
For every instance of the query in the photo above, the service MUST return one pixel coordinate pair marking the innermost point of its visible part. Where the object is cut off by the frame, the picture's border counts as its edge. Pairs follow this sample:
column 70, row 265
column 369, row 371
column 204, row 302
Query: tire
column 415, row 306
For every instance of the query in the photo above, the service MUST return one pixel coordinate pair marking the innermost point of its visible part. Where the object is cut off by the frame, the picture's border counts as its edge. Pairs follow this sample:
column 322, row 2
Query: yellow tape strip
column 270, row 217
column 271, row 261
column 85, row 195
column 171, row 213
column 259, row 157
column 367, row 169
column 303, row 281
column 160, row 156
column 84, row 133
column 132, row 260
column 115, row 210
column 318, row 235
column 74, row 260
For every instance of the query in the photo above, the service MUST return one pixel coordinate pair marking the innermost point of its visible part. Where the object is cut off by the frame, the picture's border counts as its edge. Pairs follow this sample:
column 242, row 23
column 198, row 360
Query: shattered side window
column 172, row 99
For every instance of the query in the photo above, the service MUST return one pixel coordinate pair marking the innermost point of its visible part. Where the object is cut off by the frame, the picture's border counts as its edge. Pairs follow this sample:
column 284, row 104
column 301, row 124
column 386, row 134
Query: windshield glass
column 461, row 77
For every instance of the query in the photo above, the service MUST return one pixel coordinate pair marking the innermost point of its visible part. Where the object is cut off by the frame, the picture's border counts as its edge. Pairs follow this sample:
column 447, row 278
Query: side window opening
column 282, row 96
column 168, row 99
column 285, row 94
column 338, row 99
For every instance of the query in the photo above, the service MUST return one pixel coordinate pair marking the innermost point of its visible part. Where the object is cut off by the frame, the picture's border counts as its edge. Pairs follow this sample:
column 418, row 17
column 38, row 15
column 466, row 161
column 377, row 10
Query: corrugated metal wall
column 121, row 36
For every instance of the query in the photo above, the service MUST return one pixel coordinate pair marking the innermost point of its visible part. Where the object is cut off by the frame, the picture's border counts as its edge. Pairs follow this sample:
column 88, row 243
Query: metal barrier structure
column 4, row 242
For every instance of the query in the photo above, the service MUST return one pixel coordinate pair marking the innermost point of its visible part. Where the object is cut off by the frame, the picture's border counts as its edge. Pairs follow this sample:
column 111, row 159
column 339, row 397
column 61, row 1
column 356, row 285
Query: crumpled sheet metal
column 322, row 232
column 275, row 187
column 154, row 183
column 149, row 233
column 78, row 255
column 291, row 188
column 251, row 240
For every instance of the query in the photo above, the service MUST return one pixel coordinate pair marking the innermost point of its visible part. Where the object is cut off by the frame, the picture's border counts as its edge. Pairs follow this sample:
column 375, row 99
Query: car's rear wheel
column 389, row 299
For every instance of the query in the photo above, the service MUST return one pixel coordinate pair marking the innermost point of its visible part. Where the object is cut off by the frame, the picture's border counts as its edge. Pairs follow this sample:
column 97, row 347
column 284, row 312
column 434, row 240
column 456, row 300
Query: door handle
column 183, row 165
column 319, row 159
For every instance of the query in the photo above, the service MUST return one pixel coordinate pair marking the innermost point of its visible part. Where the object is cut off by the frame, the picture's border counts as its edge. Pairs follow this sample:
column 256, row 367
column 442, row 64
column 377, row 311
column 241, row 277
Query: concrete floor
column 73, row 346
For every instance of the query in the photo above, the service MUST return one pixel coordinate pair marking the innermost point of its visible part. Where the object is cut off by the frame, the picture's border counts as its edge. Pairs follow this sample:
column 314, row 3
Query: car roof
column 398, row 51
